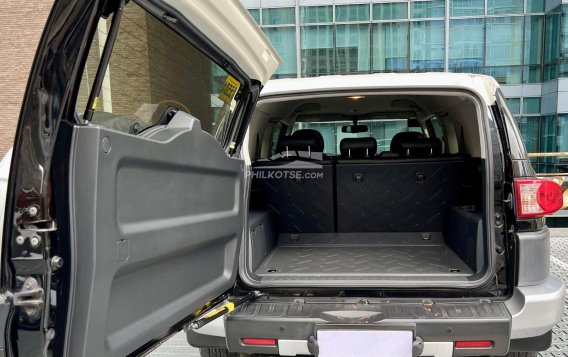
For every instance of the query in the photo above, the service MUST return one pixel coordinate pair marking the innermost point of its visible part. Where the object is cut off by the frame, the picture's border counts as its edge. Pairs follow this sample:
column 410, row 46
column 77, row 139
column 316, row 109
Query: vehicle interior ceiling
column 399, row 193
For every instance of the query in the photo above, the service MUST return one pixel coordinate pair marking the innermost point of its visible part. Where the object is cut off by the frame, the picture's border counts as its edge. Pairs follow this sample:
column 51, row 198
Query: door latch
column 509, row 200
column 29, row 298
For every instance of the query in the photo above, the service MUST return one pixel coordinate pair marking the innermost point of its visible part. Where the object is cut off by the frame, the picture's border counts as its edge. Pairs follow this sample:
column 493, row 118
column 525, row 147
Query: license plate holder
column 365, row 341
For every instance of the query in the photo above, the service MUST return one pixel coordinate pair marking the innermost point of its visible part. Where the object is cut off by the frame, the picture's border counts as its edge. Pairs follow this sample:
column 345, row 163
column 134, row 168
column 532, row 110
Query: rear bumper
column 520, row 324
column 536, row 309
column 438, row 325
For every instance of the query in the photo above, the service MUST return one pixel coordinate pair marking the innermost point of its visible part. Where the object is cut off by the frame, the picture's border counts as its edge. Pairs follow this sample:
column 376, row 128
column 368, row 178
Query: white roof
column 484, row 86
column 229, row 25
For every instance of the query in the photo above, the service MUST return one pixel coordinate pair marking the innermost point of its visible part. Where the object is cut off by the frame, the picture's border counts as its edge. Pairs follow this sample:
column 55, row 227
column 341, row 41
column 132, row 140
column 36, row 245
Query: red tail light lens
column 259, row 341
column 474, row 344
column 537, row 197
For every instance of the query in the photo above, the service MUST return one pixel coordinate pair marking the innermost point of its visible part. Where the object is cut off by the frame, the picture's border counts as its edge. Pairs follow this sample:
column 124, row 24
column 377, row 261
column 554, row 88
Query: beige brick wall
column 21, row 25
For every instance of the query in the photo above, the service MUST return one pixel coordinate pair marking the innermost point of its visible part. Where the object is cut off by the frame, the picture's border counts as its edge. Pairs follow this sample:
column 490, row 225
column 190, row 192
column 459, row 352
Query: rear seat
column 410, row 189
column 300, row 204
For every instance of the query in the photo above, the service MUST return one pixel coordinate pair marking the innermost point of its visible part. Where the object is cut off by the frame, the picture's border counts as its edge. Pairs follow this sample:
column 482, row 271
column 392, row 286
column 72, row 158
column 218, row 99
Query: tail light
column 474, row 344
column 259, row 341
column 537, row 197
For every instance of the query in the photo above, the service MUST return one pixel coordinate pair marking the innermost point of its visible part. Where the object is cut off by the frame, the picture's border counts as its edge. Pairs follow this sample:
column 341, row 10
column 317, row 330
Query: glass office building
column 522, row 43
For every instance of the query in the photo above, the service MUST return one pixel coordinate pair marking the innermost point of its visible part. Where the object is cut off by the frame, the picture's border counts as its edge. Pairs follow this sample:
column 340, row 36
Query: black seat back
column 298, row 191
column 397, row 195
column 410, row 192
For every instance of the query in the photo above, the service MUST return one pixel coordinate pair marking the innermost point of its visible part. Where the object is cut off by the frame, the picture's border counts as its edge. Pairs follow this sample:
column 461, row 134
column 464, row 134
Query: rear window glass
column 152, row 68
column 382, row 130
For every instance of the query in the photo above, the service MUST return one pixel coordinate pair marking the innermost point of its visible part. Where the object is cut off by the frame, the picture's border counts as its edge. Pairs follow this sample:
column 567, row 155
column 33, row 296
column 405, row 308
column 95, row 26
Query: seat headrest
column 358, row 148
column 292, row 145
column 399, row 138
column 311, row 134
column 421, row 147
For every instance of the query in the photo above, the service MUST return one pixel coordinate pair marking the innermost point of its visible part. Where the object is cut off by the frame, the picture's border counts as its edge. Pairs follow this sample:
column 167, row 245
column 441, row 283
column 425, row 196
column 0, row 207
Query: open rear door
column 125, row 207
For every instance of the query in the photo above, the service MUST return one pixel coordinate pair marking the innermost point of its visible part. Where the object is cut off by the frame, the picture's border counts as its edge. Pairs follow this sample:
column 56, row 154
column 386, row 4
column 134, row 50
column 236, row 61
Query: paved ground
column 177, row 345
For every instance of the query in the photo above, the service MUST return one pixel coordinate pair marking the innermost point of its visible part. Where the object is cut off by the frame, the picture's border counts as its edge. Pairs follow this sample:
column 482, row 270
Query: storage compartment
column 456, row 254
column 408, row 214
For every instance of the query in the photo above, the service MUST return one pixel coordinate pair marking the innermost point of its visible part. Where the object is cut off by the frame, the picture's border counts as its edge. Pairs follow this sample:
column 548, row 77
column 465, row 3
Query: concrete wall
column 21, row 25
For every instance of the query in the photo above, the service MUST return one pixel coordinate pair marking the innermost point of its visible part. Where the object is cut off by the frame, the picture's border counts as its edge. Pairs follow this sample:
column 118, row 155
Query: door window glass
column 151, row 70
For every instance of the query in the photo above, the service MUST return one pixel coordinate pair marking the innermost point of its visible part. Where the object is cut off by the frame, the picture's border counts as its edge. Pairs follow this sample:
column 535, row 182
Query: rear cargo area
column 364, row 255
column 454, row 254
column 409, row 216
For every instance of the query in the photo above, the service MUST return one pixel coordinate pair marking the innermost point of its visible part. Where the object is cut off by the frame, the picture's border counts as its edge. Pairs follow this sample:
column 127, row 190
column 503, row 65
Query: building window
column 352, row 13
column 467, row 41
column 392, row 11
column 255, row 13
column 535, row 6
column 317, row 50
column 497, row 7
column 564, row 43
column 316, row 14
column 390, row 47
column 531, row 105
column 562, row 137
column 514, row 105
column 353, row 48
column 530, row 130
column 427, row 46
column 504, row 41
column 467, row 7
column 504, row 48
column 279, row 16
column 506, row 75
column 428, row 9
column 284, row 40
column 534, row 44
column 552, row 44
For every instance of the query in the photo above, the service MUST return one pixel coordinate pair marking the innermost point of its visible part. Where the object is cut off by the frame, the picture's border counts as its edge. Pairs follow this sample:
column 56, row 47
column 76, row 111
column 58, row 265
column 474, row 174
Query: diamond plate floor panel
column 401, row 261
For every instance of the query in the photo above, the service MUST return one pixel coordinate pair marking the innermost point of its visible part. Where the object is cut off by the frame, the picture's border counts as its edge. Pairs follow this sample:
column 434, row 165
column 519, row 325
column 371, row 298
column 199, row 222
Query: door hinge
column 30, row 297
column 509, row 200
